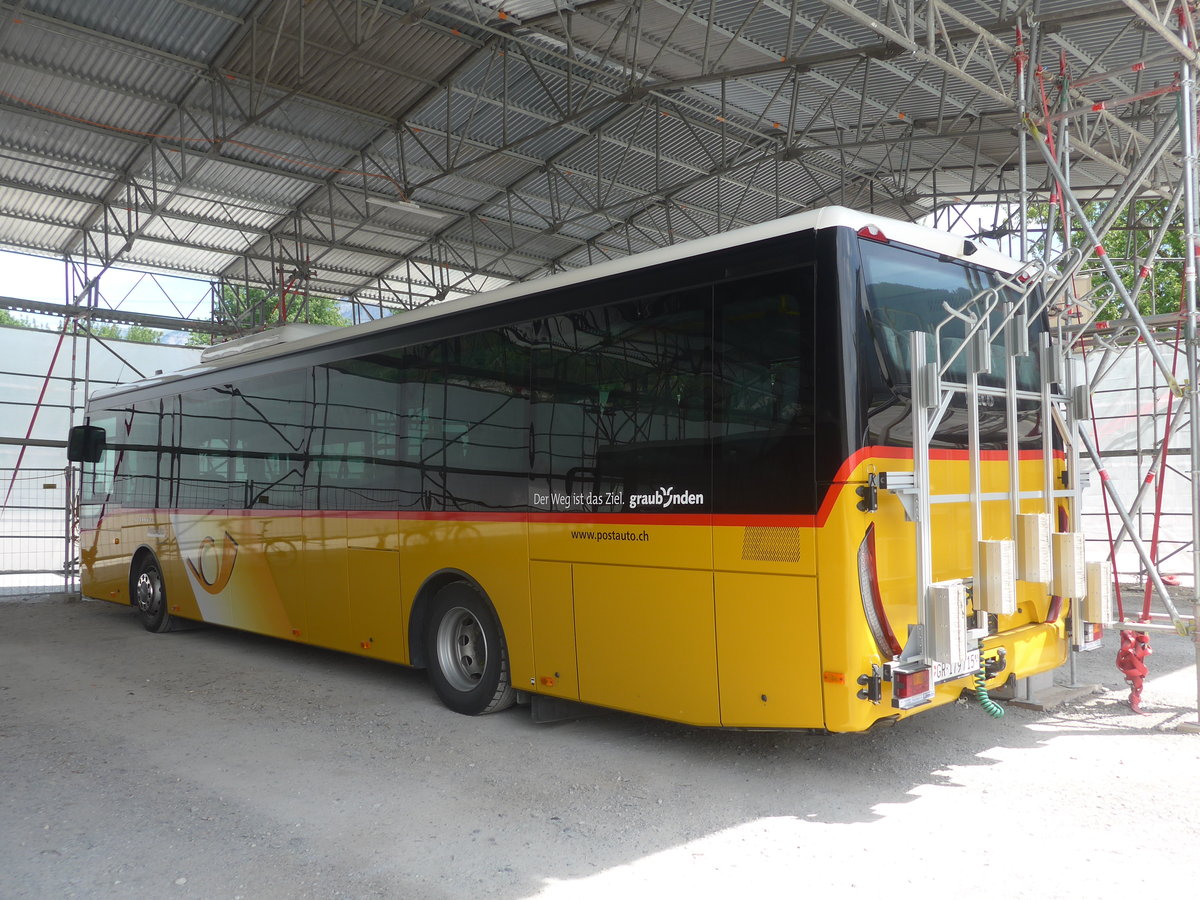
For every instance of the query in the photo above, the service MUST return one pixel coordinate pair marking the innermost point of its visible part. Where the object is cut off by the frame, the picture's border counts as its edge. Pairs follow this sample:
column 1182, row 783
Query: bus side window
column 98, row 476
column 205, row 421
column 355, row 463
column 458, row 441
column 621, row 401
column 272, row 421
column 767, row 411
column 141, row 468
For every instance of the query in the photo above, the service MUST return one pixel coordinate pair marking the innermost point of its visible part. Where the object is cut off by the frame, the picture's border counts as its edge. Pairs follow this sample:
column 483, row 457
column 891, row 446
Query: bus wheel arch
column 148, row 592
column 418, row 618
column 458, row 636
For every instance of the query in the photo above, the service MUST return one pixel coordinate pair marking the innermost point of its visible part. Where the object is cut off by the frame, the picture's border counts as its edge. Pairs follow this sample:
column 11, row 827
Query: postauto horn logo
column 213, row 565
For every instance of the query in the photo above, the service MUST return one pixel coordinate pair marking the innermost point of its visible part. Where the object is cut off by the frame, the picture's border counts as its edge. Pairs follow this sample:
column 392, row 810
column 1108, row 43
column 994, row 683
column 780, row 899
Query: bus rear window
column 909, row 290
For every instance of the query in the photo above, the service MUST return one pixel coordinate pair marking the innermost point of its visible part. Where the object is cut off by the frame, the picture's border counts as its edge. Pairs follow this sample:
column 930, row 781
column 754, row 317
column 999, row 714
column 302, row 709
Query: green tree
column 106, row 331
column 251, row 307
column 1126, row 244
column 7, row 318
column 143, row 334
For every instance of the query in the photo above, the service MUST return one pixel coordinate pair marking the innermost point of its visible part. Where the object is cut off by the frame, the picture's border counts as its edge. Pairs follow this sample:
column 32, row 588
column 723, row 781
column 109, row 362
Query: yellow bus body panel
column 647, row 641
column 768, row 651
column 847, row 647
column 553, row 614
column 755, row 623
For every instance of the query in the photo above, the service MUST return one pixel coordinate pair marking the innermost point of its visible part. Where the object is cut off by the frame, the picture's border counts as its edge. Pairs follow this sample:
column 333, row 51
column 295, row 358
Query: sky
column 44, row 279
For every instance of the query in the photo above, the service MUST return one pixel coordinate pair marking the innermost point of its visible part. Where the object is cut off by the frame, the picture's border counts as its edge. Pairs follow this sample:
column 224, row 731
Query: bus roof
column 290, row 340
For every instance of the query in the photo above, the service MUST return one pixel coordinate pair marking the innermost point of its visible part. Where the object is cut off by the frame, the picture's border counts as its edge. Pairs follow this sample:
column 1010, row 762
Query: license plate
column 947, row 672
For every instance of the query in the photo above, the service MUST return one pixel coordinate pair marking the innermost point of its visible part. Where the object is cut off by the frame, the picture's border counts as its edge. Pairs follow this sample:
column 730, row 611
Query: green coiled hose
column 990, row 706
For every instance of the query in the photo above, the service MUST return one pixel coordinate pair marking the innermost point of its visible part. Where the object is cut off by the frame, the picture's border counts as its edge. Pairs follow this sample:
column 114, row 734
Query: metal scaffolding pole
column 1188, row 128
column 1139, row 180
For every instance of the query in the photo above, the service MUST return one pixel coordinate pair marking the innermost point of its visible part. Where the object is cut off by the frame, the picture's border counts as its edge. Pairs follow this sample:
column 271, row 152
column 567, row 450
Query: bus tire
column 466, row 653
column 150, row 596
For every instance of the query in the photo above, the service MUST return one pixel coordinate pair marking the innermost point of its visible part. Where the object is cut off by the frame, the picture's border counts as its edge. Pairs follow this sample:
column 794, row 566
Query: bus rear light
column 911, row 686
column 872, row 233
column 872, row 600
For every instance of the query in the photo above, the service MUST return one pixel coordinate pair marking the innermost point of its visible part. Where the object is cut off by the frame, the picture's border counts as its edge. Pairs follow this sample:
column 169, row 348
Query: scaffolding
column 1122, row 391
column 36, row 529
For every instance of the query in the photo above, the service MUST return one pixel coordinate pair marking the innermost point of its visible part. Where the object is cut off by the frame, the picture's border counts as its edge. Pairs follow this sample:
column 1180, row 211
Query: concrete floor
column 215, row 764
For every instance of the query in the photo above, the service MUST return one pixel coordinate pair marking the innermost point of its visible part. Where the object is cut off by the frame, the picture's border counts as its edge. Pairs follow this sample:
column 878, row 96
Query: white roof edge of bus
column 942, row 242
column 259, row 340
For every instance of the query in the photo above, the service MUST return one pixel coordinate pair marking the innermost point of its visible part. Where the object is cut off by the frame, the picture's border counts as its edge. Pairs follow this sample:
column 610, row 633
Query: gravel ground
column 215, row 764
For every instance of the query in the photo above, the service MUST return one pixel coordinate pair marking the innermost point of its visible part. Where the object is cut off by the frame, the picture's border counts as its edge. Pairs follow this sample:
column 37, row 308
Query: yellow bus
column 658, row 484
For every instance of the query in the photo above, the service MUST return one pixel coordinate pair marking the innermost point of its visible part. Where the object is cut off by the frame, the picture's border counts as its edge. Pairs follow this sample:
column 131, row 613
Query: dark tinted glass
column 707, row 394
column 622, row 398
column 439, row 427
column 139, row 445
column 485, row 452
column 907, row 290
column 151, row 441
column 765, row 394
column 271, row 434
column 98, row 476
column 422, row 409
column 355, row 445
column 206, row 477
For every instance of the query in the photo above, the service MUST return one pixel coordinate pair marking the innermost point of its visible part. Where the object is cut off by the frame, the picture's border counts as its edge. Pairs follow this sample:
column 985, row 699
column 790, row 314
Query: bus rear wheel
column 468, row 659
column 150, row 597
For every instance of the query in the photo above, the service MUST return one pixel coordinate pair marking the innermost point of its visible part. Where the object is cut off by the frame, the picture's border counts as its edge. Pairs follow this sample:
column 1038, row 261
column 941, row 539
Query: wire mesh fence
column 36, row 549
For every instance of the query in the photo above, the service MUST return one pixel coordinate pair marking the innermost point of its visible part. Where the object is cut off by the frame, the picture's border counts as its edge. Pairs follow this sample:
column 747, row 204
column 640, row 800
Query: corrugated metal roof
column 239, row 127
column 186, row 30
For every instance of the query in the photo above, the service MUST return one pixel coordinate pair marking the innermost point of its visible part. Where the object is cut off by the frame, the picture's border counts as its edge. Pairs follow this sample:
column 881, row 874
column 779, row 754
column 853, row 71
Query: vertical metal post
column 1022, row 60
column 1048, row 366
column 1071, row 442
column 1188, row 136
column 1012, row 343
column 68, row 527
column 922, row 402
column 70, row 498
column 976, row 359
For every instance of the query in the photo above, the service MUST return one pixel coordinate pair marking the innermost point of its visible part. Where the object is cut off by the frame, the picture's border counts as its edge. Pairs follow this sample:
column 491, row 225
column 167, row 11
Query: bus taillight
column 872, row 233
column 872, row 601
column 911, row 686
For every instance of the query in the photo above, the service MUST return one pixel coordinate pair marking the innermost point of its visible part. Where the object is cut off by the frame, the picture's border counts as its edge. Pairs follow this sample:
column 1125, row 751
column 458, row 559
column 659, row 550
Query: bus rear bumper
column 1028, row 650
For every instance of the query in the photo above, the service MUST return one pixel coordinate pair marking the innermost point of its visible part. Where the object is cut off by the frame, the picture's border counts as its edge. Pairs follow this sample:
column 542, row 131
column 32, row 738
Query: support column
column 1188, row 136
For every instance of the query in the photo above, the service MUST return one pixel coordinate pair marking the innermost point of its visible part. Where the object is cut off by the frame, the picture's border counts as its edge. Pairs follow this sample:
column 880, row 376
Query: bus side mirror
column 85, row 443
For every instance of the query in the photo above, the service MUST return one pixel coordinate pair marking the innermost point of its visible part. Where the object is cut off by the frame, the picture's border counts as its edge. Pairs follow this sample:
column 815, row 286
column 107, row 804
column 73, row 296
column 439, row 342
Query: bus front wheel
column 150, row 596
column 468, row 659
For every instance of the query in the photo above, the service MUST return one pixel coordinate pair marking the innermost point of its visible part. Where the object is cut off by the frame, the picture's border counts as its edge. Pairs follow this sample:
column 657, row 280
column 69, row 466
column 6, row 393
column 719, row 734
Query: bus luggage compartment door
column 646, row 641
